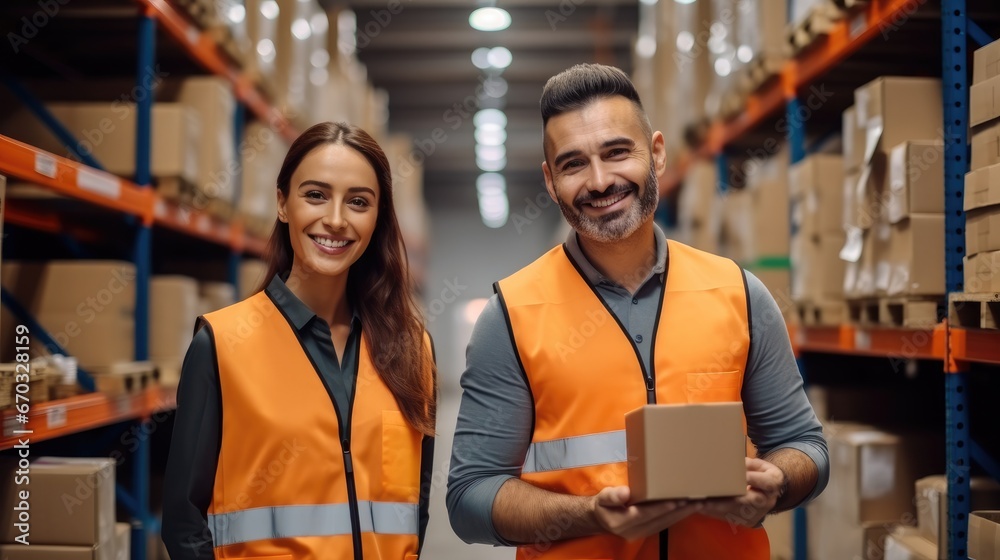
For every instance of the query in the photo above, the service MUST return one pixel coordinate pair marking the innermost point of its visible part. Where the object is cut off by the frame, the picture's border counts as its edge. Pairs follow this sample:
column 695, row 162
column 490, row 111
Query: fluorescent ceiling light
column 489, row 19
column 499, row 57
column 490, row 136
column 269, row 9
column 487, row 117
column 491, row 165
column 301, row 29
column 480, row 58
column 490, row 153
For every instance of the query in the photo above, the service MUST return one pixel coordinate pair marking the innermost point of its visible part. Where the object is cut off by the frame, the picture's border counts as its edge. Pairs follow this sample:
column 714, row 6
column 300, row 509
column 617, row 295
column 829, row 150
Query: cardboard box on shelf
column 818, row 180
column 982, row 188
column 776, row 277
column 982, row 272
column 905, row 543
column 984, row 535
column 215, row 296
column 915, row 244
column 985, row 145
column 86, row 520
column 667, row 455
column 984, row 101
column 833, row 539
column 700, row 208
column 767, row 180
column 896, row 109
column 107, row 131
column 251, row 276
column 870, row 197
column 737, row 230
column 50, row 552
column 173, row 309
column 877, row 471
column 932, row 506
column 916, row 179
column 123, row 541
column 982, row 230
column 986, row 62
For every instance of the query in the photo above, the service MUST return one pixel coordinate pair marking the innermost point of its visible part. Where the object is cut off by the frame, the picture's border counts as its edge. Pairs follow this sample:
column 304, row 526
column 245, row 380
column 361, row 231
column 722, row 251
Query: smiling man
column 615, row 318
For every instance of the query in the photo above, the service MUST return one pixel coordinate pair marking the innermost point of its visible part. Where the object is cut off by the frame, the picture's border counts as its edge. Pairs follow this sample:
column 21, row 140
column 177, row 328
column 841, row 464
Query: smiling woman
column 330, row 359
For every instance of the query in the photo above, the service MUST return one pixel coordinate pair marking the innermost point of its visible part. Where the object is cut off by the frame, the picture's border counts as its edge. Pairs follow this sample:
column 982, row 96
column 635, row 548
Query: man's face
column 602, row 170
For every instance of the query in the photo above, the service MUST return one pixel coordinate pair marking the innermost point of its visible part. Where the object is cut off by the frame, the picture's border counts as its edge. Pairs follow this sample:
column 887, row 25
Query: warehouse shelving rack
column 955, row 348
column 143, row 209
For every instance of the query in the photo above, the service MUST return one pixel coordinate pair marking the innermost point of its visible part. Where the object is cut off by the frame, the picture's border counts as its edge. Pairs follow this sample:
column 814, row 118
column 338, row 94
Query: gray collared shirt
column 495, row 418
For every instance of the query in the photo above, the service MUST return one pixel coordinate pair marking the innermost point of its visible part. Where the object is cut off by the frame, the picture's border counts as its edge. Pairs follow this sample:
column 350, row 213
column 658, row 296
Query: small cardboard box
column 916, row 179
column 820, row 180
column 984, row 101
column 932, row 506
column 686, row 451
column 986, row 62
column 905, row 543
column 72, row 503
column 917, row 250
column 982, row 230
column 984, row 535
column 982, row 272
column 896, row 109
column 982, row 188
column 985, row 145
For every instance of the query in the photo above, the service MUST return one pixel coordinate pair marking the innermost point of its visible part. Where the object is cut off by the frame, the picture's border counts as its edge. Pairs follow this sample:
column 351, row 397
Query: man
column 616, row 318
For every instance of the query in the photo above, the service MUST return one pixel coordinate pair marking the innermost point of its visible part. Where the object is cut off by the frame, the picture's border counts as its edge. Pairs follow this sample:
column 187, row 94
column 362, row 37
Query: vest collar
column 297, row 312
column 594, row 276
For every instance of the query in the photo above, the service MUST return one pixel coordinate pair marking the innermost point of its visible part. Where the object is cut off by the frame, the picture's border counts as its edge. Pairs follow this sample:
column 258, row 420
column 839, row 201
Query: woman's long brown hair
column 378, row 284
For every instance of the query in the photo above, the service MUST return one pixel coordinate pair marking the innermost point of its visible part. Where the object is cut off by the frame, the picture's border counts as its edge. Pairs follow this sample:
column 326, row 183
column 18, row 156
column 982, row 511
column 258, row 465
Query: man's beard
column 618, row 225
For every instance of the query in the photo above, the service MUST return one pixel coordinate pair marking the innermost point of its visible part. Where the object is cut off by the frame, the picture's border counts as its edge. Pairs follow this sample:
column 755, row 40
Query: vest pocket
column 722, row 386
column 400, row 459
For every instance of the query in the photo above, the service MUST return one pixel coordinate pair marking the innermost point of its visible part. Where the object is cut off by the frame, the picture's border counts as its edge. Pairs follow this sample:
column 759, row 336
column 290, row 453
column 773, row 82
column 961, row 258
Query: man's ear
column 659, row 153
column 549, row 185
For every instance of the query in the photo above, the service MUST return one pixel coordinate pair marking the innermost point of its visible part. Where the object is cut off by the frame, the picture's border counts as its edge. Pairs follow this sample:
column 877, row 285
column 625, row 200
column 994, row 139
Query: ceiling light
column 648, row 2
column 494, row 209
column 491, row 183
column 301, row 29
column 319, row 58
column 723, row 67
column 487, row 117
column 645, row 47
column 744, row 54
column 480, row 58
column 491, row 136
column 265, row 48
column 685, row 41
column 495, row 87
column 319, row 23
column 490, row 153
column 318, row 76
column 489, row 19
column 491, row 165
column 499, row 57
column 236, row 13
column 684, row 1
column 269, row 9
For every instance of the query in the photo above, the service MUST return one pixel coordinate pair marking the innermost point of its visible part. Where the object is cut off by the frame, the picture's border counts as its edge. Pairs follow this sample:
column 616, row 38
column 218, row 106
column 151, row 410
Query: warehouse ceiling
column 422, row 56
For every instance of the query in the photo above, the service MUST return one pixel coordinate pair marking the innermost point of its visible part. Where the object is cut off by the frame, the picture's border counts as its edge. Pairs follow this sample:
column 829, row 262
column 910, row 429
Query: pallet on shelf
column 821, row 313
column 817, row 24
column 909, row 312
column 127, row 378
column 974, row 311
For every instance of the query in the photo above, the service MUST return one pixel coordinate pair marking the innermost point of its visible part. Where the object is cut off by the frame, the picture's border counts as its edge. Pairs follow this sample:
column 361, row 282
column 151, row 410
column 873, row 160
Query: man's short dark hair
column 583, row 84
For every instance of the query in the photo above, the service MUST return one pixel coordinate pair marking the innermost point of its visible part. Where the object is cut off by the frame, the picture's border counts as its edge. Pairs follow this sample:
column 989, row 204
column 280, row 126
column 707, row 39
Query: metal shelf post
column 955, row 94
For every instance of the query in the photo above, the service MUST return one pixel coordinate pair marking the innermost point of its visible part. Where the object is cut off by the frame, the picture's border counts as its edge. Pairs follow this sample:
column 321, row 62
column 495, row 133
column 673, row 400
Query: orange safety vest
column 585, row 373
column 286, row 486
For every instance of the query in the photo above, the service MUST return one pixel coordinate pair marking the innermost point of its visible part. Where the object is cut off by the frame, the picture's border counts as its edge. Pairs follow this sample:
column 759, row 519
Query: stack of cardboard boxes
column 699, row 212
column 65, row 508
column 767, row 183
column 982, row 184
column 815, row 184
column 893, row 200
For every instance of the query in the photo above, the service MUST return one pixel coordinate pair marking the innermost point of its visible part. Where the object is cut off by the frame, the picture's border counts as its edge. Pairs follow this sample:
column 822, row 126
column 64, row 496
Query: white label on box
column 897, row 167
column 878, row 469
column 858, row 25
column 882, row 270
column 861, row 103
column 98, row 182
column 862, row 340
column 861, row 189
column 873, row 133
column 852, row 248
column 56, row 416
column 45, row 165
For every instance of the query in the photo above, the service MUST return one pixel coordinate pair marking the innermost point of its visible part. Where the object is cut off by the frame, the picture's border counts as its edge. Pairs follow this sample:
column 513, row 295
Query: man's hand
column 615, row 515
column 765, row 484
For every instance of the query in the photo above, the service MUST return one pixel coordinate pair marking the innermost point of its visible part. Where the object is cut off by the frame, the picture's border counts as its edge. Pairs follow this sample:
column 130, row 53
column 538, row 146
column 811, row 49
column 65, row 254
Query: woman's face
column 331, row 209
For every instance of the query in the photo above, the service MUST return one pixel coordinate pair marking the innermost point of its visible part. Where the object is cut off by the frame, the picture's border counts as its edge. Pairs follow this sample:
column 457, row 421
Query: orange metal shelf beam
column 847, row 36
column 75, row 180
column 49, row 222
column 972, row 345
column 877, row 341
column 203, row 49
column 193, row 222
column 84, row 412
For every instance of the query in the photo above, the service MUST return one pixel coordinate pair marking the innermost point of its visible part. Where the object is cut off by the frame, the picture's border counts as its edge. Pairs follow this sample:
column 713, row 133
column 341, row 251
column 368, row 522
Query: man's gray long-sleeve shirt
column 495, row 419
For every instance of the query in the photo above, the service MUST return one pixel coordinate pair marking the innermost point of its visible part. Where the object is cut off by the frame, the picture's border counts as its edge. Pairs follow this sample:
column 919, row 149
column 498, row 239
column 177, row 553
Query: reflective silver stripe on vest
column 575, row 452
column 312, row 521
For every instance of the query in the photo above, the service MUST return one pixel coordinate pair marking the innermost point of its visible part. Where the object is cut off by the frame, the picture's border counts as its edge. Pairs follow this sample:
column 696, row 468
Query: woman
column 305, row 414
